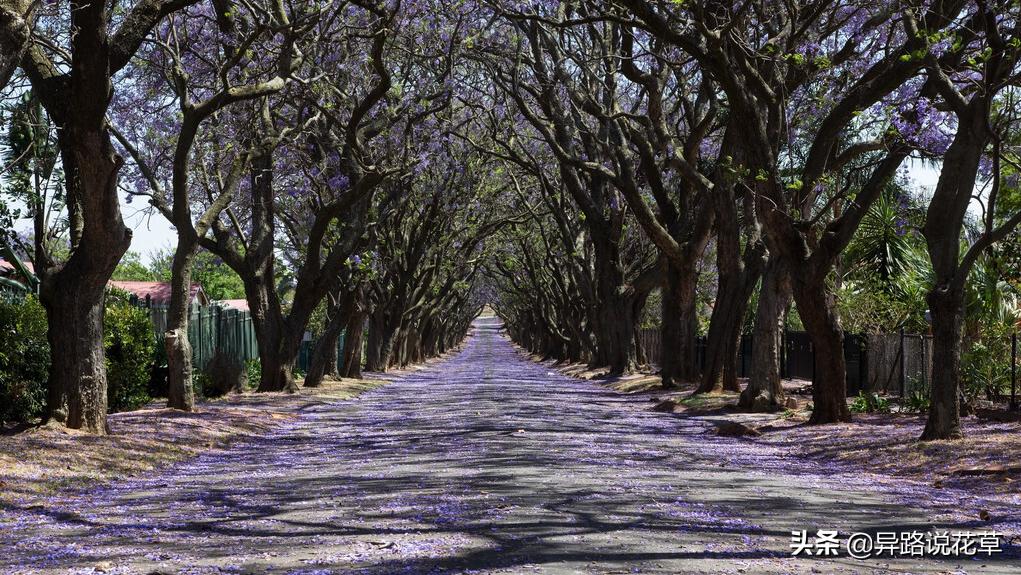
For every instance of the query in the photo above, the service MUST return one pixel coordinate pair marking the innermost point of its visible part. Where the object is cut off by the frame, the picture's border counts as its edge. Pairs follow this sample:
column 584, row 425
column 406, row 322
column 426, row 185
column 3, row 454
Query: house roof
column 158, row 292
column 7, row 267
column 238, row 304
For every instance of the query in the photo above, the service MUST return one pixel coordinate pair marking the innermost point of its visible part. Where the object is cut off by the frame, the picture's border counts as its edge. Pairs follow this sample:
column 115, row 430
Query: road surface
column 483, row 463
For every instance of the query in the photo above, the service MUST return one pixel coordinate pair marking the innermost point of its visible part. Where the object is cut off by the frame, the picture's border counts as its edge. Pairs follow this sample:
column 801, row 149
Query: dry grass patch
column 988, row 459
column 42, row 461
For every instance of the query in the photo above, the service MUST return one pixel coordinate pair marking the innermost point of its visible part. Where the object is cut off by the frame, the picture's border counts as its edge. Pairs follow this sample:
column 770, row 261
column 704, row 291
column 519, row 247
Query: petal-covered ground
column 484, row 463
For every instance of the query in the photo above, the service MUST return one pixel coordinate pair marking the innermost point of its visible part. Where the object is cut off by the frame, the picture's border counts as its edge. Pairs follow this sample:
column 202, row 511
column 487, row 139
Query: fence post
column 811, row 348
column 903, row 365
column 863, row 361
column 925, row 363
column 199, row 347
column 219, row 329
column 783, row 353
column 1013, row 372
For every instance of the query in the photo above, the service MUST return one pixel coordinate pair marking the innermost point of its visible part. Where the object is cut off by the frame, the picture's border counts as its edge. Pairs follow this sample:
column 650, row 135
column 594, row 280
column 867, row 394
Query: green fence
column 308, row 348
column 211, row 330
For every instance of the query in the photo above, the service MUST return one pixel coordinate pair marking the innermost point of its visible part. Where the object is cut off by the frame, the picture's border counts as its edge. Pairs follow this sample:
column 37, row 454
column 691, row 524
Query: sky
column 152, row 232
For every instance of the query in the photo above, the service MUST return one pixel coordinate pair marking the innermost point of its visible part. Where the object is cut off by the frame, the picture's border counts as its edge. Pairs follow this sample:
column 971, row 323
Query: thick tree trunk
column 944, row 226
column 380, row 342
column 267, row 321
column 268, row 336
column 947, row 312
column 415, row 352
column 617, row 337
column 726, row 325
column 615, row 329
column 720, row 343
column 78, row 369
column 372, row 344
column 73, row 295
column 180, row 393
column 764, row 391
column 817, row 308
column 386, row 349
column 679, row 328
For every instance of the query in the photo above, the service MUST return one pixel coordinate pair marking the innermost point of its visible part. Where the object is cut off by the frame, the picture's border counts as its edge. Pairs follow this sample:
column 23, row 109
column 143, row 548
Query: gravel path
column 484, row 463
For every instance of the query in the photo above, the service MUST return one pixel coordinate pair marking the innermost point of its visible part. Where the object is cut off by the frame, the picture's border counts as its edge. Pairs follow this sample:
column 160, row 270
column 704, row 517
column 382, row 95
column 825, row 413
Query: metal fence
column 308, row 348
column 211, row 330
column 215, row 329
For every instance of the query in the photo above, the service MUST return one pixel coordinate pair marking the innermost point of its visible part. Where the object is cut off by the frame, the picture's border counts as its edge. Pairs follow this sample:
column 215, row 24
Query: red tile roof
column 159, row 292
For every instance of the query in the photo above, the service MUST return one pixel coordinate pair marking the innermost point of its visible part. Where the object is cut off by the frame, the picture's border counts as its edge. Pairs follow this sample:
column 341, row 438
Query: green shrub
column 254, row 367
column 25, row 357
column 870, row 403
column 24, row 360
column 200, row 382
column 130, row 348
column 985, row 368
column 917, row 401
column 225, row 374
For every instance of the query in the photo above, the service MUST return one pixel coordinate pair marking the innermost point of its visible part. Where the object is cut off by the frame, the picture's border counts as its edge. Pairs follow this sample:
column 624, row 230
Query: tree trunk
column 383, row 333
column 277, row 374
column 618, row 328
column 267, row 336
column 721, row 348
column 386, row 350
column 73, row 295
column 817, row 308
column 764, row 391
column 679, row 328
column 351, row 363
column 723, row 343
column 268, row 323
column 944, row 226
column 78, row 369
column 324, row 357
column 180, row 393
column 615, row 326
column 944, row 409
column 374, row 345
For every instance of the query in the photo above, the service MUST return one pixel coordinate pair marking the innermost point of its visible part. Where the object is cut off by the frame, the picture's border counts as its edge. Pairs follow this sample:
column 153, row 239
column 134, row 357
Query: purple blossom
column 338, row 182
